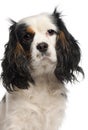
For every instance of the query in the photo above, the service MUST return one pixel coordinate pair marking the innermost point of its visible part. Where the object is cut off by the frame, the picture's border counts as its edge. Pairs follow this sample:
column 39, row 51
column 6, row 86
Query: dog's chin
column 47, row 58
column 44, row 65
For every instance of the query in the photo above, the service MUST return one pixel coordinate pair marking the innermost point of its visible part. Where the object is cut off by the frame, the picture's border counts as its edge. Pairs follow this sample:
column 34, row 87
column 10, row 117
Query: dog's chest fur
column 40, row 107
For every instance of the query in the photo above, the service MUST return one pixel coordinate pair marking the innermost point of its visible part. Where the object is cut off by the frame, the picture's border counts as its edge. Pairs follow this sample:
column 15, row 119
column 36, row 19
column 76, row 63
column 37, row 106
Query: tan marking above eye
column 30, row 30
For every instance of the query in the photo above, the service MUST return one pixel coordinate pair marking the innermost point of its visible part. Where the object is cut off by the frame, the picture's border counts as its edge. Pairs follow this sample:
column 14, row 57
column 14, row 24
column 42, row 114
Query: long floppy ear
column 15, row 72
column 68, row 52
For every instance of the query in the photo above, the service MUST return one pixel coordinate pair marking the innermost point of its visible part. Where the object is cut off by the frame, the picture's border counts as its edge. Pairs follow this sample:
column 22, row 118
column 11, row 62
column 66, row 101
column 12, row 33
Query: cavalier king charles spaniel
column 40, row 57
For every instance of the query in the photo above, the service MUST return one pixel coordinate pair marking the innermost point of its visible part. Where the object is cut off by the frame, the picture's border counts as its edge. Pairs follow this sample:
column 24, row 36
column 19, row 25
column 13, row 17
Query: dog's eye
column 27, row 36
column 51, row 32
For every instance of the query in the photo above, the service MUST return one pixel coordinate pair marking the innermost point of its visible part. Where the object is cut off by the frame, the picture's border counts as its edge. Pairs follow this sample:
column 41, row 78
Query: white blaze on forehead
column 39, row 23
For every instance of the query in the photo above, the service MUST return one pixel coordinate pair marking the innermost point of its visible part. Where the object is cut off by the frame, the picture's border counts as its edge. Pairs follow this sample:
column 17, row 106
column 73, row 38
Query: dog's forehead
column 39, row 22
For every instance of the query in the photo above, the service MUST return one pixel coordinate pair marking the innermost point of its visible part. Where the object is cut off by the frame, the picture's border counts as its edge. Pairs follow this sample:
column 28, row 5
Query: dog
column 40, row 57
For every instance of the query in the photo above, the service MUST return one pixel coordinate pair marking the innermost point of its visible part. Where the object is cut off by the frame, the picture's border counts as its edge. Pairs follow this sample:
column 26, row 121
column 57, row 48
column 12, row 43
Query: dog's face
column 39, row 45
column 37, row 36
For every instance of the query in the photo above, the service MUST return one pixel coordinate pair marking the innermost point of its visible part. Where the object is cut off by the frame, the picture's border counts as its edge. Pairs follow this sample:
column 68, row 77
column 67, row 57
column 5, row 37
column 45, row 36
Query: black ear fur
column 15, row 72
column 68, row 52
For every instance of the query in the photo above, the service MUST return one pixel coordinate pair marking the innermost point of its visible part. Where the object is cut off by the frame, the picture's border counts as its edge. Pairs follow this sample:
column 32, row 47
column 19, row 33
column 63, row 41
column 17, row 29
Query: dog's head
column 39, row 45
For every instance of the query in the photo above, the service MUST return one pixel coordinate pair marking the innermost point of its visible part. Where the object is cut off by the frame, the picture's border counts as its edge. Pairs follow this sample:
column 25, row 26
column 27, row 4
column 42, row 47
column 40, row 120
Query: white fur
column 42, row 106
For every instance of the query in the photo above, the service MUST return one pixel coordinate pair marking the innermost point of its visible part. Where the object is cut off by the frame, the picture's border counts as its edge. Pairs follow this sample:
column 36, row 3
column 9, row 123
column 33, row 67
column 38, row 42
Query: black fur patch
column 15, row 64
column 68, row 52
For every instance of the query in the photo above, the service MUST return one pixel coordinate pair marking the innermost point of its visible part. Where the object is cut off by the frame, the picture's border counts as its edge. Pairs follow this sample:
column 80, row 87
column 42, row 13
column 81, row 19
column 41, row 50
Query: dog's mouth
column 43, row 54
column 44, row 57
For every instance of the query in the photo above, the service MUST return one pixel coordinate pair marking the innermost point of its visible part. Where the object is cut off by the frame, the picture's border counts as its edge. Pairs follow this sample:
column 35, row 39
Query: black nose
column 42, row 47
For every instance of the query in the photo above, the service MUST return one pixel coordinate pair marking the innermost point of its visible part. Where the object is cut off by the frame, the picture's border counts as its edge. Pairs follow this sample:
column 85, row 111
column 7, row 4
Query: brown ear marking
column 18, row 50
column 62, row 38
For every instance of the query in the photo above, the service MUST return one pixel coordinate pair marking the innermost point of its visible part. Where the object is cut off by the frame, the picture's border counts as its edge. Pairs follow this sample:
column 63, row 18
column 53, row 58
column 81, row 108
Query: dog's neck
column 48, row 78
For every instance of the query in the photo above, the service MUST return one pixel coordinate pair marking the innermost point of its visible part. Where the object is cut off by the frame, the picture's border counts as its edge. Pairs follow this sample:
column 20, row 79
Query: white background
column 75, row 16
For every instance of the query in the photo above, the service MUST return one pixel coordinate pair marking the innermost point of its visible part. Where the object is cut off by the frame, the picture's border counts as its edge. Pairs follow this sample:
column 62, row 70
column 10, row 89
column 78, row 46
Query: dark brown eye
column 51, row 32
column 27, row 36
